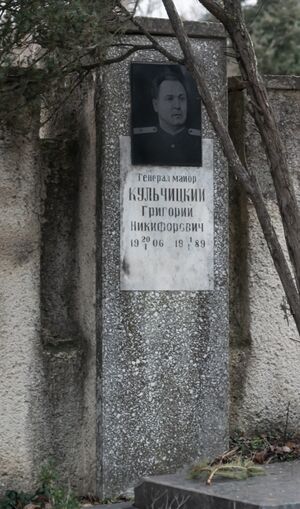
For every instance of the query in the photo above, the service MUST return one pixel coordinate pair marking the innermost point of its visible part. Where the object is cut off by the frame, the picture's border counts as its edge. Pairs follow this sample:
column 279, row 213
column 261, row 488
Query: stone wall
column 265, row 356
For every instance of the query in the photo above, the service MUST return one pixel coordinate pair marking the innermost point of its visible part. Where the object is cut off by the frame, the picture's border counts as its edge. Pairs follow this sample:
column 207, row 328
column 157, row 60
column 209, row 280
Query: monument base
column 279, row 488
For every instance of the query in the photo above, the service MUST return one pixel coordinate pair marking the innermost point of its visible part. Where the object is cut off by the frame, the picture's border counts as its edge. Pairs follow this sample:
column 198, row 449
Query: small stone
column 286, row 449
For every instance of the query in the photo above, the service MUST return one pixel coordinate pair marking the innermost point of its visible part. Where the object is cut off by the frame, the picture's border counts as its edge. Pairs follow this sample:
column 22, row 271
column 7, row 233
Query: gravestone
column 162, row 274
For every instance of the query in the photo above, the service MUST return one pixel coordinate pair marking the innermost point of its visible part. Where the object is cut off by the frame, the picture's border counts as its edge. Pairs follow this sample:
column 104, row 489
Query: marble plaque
column 167, row 227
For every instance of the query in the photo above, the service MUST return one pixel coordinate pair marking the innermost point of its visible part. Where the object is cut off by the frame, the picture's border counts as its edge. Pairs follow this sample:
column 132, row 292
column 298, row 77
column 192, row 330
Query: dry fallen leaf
column 260, row 456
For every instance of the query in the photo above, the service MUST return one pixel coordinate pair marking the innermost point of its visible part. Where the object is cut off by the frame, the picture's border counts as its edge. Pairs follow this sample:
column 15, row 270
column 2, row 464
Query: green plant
column 15, row 500
column 50, row 491
column 257, row 443
column 57, row 495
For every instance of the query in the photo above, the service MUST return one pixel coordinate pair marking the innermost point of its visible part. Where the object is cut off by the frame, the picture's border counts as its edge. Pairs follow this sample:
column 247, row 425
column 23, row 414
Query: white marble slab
column 167, row 225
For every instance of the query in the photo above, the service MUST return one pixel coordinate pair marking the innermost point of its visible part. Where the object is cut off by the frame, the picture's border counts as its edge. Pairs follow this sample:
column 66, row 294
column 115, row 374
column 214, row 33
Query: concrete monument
column 162, row 309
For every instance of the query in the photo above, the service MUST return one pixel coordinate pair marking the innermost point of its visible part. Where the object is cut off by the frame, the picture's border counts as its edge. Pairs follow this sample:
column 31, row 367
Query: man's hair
column 168, row 74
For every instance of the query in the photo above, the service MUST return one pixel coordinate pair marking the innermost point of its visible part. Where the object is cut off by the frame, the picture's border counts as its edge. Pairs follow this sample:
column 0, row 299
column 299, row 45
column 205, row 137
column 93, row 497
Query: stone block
column 278, row 489
column 162, row 395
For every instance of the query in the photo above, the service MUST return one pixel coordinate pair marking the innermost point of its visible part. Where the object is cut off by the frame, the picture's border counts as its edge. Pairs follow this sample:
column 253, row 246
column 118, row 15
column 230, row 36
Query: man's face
column 171, row 105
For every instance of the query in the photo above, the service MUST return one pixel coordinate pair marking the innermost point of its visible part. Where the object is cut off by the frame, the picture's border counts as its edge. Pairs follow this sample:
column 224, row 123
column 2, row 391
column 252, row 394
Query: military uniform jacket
column 152, row 145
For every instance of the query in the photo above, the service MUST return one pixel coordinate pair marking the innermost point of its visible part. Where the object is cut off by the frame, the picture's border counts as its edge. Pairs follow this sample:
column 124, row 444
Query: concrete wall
column 264, row 355
column 20, row 349
column 68, row 287
column 47, row 331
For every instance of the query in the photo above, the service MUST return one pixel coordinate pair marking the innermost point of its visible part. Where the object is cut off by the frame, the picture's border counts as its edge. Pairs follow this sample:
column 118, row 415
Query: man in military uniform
column 171, row 142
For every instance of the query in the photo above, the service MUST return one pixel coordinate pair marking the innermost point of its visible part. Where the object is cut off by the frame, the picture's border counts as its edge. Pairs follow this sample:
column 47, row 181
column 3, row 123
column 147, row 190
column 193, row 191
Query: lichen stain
column 125, row 267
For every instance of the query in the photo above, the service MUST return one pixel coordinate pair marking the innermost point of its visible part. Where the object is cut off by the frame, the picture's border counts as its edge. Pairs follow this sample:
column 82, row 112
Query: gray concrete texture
column 265, row 354
column 162, row 397
column 20, row 373
column 47, row 340
column 68, row 289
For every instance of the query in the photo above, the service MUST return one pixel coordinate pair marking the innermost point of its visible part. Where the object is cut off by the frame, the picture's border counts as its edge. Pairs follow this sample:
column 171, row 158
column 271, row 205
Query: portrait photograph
column 165, row 116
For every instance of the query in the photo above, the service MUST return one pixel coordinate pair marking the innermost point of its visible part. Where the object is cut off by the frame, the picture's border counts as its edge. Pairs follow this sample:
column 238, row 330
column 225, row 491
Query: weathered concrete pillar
column 47, row 297
column 68, row 289
column 162, row 348
column 265, row 388
column 21, row 400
